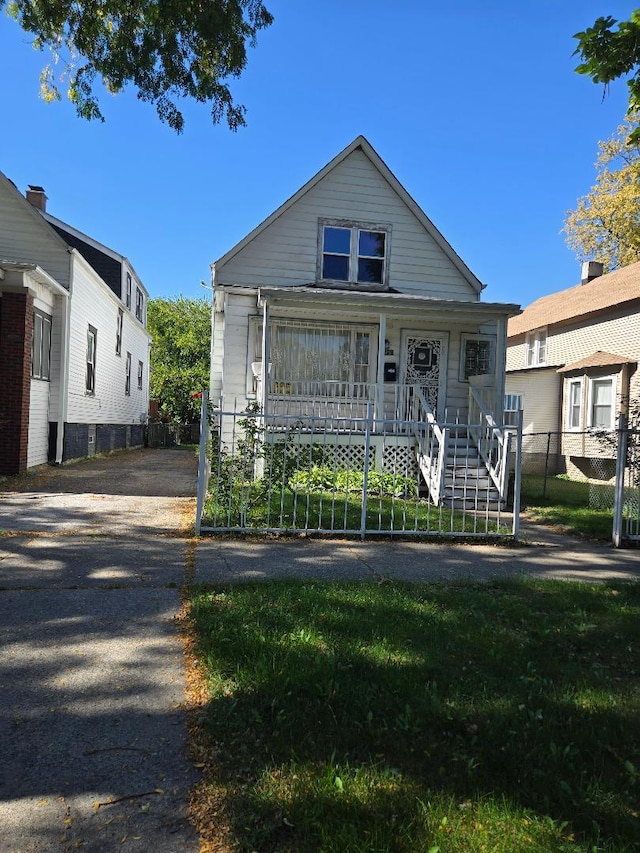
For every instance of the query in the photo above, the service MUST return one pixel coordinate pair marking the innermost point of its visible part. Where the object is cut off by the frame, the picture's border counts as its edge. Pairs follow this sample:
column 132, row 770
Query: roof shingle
column 604, row 292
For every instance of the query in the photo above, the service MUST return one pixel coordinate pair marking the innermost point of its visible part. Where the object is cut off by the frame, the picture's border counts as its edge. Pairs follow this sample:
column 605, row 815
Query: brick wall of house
column 16, row 334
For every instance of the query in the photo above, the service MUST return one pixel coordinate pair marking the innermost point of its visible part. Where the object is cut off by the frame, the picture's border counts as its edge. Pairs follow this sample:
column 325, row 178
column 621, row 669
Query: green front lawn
column 353, row 718
column 567, row 504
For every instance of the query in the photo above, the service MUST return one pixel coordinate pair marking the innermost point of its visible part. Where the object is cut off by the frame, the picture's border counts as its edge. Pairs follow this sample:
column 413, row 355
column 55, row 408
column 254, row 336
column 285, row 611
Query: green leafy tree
column 181, row 331
column 605, row 226
column 610, row 49
column 167, row 49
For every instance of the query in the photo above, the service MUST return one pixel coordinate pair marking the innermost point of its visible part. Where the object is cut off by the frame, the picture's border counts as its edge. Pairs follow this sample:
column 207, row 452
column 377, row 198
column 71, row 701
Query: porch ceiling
column 391, row 304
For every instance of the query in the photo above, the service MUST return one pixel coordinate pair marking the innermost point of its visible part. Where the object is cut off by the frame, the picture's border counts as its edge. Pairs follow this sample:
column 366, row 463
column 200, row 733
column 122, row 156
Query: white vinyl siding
column 286, row 253
column 25, row 236
column 540, row 390
column 38, row 448
column 94, row 304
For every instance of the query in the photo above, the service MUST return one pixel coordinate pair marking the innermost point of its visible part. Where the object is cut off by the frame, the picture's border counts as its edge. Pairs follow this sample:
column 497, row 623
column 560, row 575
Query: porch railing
column 432, row 444
column 492, row 440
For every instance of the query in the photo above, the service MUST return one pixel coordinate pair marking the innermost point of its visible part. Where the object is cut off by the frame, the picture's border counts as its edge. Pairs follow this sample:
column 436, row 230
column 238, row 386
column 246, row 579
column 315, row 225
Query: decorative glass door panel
column 425, row 365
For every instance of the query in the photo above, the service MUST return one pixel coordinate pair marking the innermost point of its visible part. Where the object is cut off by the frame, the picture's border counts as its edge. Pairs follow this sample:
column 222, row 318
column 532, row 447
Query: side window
column 574, row 404
column 140, row 375
column 128, row 295
column 602, row 407
column 536, row 348
column 139, row 305
column 92, row 342
column 127, row 380
column 41, row 346
column 513, row 403
column 119, row 332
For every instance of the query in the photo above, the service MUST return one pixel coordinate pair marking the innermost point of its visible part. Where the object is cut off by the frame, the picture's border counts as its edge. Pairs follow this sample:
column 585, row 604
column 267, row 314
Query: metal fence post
column 365, row 472
column 517, row 479
column 202, row 460
column 621, row 464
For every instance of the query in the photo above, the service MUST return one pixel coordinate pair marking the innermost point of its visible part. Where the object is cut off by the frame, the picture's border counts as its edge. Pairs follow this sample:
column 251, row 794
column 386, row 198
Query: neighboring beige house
column 353, row 298
column 571, row 366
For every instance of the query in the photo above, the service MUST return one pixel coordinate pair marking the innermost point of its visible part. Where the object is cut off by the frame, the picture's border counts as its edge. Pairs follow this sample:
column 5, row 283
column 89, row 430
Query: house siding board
column 109, row 269
column 25, row 239
column 93, row 304
column 541, row 398
column 355, row 191
column 38, row 451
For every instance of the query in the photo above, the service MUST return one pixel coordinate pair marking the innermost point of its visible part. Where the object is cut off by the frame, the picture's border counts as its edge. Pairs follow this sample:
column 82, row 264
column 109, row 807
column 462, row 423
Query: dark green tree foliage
column 610, row 49
column 167, row 49
column 181, row 331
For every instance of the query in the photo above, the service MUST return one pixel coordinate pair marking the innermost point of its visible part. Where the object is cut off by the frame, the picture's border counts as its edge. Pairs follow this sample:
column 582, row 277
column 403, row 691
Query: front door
column 424, row 359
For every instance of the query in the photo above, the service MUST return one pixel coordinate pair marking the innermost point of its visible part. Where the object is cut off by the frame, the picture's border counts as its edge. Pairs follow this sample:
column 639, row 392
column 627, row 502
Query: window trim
column 468, row 337
column 612, row 378
column 532, row 343
column 127, row 376
column 355, row 227
column 139, row 304
column 90, row 375
column 570, row 406
column 43, row 320
column 120, row 322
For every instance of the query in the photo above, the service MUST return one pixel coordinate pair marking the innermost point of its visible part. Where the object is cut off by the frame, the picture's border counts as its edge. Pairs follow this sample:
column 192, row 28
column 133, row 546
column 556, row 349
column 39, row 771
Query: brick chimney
column 37, row 197
column 591, row 270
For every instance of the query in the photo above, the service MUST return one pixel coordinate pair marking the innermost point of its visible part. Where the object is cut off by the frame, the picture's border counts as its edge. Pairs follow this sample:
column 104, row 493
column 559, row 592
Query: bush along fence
column 346, row 475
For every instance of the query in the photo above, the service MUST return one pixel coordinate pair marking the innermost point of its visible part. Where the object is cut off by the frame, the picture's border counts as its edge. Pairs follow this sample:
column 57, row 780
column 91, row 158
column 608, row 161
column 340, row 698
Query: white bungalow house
column 348, row 303
column 74, row 349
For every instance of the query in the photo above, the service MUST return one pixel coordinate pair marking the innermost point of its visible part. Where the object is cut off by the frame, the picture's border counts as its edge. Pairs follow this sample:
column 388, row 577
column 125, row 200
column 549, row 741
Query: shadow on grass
column 351, row 716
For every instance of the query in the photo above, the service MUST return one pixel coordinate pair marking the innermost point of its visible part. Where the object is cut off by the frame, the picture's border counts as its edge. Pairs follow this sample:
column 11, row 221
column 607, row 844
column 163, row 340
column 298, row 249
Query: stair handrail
column 489, row 437
column 434, row 474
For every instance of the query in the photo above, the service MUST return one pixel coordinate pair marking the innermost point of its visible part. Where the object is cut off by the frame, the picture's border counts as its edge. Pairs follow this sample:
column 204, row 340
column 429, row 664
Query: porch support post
column 382, row 336
column 264, row 378
column 501, row 355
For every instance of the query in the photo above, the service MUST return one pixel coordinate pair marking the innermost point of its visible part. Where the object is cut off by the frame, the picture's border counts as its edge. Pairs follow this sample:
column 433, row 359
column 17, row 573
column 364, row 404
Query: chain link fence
column 586, row 457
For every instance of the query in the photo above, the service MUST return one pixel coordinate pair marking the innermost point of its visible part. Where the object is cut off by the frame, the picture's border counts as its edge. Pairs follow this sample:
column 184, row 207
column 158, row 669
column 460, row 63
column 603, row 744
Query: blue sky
column 474, row 106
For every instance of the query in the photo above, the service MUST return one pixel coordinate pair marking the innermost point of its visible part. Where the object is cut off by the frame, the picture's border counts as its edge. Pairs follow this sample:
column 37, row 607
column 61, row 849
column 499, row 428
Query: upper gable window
column 354, row 253
column 536, row 348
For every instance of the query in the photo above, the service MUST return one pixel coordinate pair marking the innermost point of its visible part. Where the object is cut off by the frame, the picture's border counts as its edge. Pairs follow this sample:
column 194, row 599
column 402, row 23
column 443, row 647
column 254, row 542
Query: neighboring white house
column 348, row 295
column 571, row 367
column 74, row 349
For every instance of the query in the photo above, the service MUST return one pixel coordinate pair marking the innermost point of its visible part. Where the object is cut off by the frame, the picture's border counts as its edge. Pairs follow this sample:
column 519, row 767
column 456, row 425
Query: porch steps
column 467, row 484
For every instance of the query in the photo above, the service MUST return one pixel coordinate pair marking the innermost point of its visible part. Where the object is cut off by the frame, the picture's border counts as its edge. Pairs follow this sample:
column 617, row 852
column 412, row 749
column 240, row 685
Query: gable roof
column 597, row 359
column 606, row 291
column 367, row 149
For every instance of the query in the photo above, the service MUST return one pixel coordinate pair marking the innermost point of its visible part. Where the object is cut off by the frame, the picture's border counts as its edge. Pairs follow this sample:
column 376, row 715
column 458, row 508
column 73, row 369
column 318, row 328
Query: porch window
column 601, row 407
column 574, row 404
column 318, row 359
column 536, row 348
column 41, row 346
column 354, row 253
column 477, row 356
